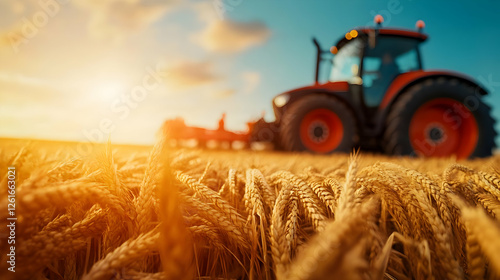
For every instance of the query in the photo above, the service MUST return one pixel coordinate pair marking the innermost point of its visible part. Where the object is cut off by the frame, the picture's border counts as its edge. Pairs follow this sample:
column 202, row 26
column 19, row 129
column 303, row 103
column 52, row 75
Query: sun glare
column 108, row 90
column 104, row 91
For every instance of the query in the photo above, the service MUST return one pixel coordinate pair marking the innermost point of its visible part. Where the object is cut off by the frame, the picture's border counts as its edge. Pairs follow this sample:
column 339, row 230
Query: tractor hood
column 329, row 86
column 282, row 99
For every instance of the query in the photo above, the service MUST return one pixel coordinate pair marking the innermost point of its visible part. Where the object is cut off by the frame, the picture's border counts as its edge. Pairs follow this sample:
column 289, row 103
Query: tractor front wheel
column 440, row 117
column 318, row 124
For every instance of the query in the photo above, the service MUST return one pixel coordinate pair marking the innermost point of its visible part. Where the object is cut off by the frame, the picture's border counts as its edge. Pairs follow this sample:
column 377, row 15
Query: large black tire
column 328, row 116
column 466, row 109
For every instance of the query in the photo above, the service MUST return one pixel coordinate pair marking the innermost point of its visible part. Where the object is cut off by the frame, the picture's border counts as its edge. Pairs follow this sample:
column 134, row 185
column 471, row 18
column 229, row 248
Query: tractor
column 378, row 97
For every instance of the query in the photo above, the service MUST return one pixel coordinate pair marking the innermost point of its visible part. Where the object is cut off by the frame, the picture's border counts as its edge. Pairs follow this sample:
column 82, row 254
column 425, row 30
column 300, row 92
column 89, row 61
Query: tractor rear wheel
column 318, row 124
column 440, row 117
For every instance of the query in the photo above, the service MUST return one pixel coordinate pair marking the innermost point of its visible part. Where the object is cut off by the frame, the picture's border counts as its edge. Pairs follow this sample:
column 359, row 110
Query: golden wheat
column 188, row 214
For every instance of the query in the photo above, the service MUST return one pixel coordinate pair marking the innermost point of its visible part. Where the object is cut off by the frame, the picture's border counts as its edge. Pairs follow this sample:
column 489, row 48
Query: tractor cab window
column 346, row 62
column 382, row 64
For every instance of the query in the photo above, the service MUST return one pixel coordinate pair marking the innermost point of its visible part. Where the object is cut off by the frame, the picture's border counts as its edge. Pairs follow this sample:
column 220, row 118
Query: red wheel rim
column 321, row 131
column 443, row 127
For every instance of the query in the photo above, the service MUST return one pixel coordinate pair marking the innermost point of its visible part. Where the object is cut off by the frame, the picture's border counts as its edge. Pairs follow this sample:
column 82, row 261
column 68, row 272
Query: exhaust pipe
column 319, row 51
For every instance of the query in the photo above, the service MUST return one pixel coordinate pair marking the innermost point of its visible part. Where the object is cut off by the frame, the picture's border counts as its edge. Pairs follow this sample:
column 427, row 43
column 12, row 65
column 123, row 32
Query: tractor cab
column 371, row 59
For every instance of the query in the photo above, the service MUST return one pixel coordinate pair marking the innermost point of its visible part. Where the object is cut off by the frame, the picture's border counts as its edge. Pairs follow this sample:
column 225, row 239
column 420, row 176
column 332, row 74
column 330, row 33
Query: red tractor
column 379, row 97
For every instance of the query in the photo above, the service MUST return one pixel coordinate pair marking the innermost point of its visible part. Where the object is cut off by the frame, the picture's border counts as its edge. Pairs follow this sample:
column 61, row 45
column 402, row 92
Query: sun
column 108, row 90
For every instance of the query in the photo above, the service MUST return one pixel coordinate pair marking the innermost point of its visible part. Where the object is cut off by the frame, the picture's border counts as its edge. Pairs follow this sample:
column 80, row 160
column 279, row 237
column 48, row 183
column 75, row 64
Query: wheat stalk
column 215, row 198
column 307, row 198
column 144, row 202
column 127, row 253
column 280, row 248
column 337, row 251
column 48, row 245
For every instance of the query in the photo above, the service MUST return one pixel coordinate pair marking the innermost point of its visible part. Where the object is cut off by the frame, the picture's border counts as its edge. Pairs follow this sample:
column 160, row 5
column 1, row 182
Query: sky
column 83, row 70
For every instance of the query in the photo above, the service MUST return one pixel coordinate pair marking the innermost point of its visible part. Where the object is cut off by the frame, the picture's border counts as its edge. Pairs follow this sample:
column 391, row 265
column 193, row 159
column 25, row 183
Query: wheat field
column 163, row 213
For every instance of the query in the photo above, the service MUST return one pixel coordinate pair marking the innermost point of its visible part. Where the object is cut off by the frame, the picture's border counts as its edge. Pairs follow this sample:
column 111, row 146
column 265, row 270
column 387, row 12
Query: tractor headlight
column 281, row 100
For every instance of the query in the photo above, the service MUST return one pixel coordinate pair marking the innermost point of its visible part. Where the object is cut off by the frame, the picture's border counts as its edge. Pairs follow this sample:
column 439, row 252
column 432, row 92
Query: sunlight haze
column 71, row 68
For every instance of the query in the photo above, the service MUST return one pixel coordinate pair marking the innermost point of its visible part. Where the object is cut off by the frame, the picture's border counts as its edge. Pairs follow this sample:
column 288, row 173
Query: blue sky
column 73, row 71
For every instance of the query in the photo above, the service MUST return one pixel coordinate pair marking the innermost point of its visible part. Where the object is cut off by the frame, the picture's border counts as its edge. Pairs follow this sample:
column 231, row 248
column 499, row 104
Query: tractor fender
column 404, row 81
column 338, row 90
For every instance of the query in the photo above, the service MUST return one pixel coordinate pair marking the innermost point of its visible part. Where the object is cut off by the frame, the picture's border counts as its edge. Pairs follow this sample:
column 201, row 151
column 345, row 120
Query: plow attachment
column 180, row 134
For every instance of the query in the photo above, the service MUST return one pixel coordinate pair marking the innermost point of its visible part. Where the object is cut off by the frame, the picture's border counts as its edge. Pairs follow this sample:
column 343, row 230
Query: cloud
column 11, row 35
column 17, row 7
column 225, row 93
column 205, row 11
column 189, row 74
column 7, row 39
column 231, row 36
column 115, row 19
column 251, row 81
column 13, row 8
column 19, row 79
column 23, row 91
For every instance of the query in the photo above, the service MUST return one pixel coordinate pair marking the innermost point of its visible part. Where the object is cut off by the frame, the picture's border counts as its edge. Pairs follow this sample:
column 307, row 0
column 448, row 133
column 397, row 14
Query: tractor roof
column 411, row 34
column 397, row 32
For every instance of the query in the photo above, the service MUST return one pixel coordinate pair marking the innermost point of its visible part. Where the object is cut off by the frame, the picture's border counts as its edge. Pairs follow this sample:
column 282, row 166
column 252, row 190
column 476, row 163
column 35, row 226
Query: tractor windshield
column 346, row 62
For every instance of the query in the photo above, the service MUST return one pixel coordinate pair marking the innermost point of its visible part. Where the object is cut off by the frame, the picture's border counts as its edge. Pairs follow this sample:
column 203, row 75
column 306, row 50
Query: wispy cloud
column 28, row 91
column 205, row 11
column 229, row 36
column 14, row 7
column 115, row 19
column 14, row 78
column 12, row 35
column 190, row 74
column 224, row 93
column 17, row 7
